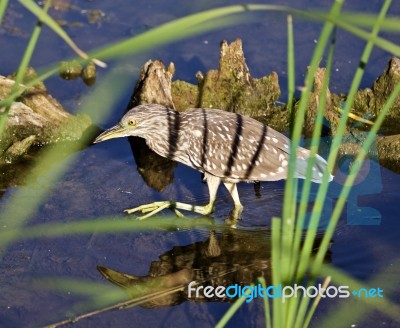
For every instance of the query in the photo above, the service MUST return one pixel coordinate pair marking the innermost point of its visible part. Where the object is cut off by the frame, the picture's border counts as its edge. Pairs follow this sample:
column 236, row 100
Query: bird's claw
column 152, row 209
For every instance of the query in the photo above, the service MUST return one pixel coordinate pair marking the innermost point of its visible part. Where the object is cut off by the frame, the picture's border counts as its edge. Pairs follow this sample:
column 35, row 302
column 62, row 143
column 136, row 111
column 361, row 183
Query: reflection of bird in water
column 232, row 257
column 226, row 147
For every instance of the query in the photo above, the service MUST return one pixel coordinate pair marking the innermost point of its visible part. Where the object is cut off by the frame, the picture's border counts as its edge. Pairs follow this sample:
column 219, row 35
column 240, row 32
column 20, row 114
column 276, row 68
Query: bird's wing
column 239, row 149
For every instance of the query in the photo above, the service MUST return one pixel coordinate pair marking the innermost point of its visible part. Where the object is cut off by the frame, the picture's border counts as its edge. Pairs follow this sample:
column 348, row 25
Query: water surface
column 104, row 180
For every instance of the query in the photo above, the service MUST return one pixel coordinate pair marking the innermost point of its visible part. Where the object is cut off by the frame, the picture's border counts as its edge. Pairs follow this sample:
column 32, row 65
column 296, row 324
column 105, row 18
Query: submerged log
column 36, row 119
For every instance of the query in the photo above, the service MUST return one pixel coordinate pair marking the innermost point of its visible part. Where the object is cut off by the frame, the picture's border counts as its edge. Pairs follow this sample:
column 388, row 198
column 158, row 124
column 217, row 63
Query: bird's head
column 140, row 121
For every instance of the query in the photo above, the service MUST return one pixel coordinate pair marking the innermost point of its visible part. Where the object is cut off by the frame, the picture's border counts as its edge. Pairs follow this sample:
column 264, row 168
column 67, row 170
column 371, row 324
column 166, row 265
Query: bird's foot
column 156, row 207
column 203, row 210
column 234, row 216
column 153, row 208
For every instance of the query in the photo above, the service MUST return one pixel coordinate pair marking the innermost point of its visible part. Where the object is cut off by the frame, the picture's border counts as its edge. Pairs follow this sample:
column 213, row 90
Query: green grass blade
column 288, row 235
column 314, row 305
column 211, row 19
column 277, row 308
column 3, row 6
column 267, row 310
column 304, row 199
column 26, row 58
column 289, row 198
column 44, row 17
column 232, row 310
column 377, row 41
column 25, row 202
column 102, row 225
column 390, row 24
column 323, row 188
column 293, row 304
column 350, row 180
column 179, row 29
column 291, row 71
column 302, row 312
column 342, row 124
column 354, row 311
column 288, row 225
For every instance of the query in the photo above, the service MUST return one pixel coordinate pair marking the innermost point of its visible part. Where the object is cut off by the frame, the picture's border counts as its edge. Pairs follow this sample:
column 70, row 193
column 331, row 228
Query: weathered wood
column 231, row 87
column 154, row 85
column 38, row 118
column 369, row 102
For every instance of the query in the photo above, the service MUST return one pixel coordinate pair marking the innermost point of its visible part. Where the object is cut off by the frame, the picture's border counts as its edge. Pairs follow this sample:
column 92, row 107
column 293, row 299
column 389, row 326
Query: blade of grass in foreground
column 323, row 188
column 104, row 225
column 290, row 193
column 315, row 141
column 287, row 234
column 3, row 6
column 356, row 313
column 26, row 58
column 111, row 298
column 291, row 72
column 44, row 17
column 305, row 193
column 351, row 178
column 267, row 311
column 232, row 310
column 315, row 303
column 276, row 272
column 179, row 29
column 26, row 200
column 390, row 24
column 317, row 210
column 211, row 19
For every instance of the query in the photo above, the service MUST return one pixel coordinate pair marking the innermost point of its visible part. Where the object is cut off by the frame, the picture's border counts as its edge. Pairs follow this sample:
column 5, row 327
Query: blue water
column 103, row 179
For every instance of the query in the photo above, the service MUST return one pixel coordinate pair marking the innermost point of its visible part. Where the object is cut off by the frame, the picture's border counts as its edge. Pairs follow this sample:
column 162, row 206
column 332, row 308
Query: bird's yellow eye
column 132, row 122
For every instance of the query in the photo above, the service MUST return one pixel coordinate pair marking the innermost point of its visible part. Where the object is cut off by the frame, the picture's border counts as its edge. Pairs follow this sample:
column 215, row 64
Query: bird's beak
column 116, row 131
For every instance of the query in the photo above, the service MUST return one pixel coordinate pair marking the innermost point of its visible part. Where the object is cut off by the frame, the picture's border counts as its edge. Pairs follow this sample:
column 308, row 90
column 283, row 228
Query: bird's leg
column 238, row 207
column 153, row 208
column 213, row 184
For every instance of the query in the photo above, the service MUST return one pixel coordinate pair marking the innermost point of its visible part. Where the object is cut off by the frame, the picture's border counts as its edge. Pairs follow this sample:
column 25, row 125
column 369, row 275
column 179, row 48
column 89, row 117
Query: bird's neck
column 165, row 139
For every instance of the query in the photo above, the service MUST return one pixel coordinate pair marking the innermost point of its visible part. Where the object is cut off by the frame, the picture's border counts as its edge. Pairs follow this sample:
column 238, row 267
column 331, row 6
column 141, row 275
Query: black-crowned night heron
column 225, row 146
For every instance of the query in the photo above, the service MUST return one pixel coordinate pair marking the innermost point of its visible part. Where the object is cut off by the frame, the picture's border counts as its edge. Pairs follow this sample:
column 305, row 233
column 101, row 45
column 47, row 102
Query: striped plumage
column 227, row 147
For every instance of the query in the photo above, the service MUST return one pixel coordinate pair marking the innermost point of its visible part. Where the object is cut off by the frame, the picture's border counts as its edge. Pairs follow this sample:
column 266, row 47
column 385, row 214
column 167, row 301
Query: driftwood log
column 36, row 119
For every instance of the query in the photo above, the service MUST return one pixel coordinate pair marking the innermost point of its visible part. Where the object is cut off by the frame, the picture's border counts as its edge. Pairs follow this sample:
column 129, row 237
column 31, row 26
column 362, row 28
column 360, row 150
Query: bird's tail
column 318, row 170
